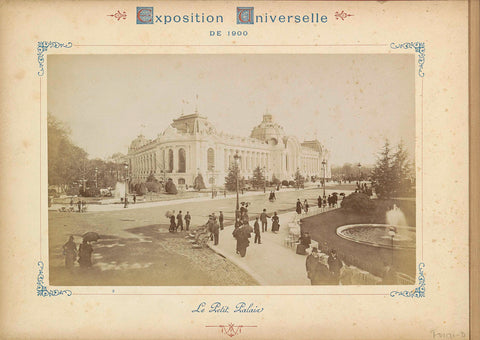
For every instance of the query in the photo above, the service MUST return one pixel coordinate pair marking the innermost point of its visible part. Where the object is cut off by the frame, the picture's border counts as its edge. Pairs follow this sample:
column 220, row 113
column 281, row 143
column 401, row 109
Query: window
column 210, row 159
column 181, row 161
column 170, row 160
column 181, row 181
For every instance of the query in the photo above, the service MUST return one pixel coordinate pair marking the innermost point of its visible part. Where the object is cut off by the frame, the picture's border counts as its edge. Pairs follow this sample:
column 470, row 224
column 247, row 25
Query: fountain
column 395, row 234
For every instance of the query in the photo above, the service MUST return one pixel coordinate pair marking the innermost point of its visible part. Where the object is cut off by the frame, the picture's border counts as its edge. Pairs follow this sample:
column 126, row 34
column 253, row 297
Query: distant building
column 192, row 145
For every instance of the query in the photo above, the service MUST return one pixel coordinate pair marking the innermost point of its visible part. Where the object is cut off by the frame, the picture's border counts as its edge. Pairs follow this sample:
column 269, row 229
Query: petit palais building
column 191, row 145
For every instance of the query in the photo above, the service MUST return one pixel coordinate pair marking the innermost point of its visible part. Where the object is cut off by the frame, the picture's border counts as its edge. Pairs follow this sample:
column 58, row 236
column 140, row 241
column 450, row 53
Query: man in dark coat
column 180, row 220
column 320, row 275
column 263, row 219
column 334, row 265
column 215, row 231
column 311, row 261
column 187, row 220
column 298, row 209
column 256, row 230
column 173, row 225
column 220, row 220
column 319, row 201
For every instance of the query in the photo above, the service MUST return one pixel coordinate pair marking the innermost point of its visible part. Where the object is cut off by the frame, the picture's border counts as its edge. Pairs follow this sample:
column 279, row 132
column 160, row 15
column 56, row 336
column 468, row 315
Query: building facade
column 191, row 145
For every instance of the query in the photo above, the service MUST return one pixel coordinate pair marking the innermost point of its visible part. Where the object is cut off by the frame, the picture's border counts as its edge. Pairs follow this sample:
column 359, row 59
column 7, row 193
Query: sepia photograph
column 231, row 169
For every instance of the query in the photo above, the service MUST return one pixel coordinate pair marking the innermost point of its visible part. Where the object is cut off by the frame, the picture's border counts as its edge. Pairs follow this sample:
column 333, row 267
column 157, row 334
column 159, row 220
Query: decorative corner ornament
column 418, row 292
column 42, row 290
column 119, row 15
column 42, row 47
column 342, row 15
column 419, row 47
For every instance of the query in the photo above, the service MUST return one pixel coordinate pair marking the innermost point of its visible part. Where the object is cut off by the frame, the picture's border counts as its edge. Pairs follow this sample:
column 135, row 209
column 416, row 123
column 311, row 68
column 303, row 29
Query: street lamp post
column 125, row 200
column 324, row 175
column 359, row 166
column 236, row 157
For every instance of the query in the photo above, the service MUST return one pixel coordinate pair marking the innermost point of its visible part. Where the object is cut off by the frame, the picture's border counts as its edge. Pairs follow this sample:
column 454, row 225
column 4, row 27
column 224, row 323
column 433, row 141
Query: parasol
column 91, row 236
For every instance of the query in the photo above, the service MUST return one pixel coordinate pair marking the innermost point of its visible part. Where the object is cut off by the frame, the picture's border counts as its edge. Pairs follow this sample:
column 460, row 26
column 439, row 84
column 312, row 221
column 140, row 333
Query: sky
column 350, row 102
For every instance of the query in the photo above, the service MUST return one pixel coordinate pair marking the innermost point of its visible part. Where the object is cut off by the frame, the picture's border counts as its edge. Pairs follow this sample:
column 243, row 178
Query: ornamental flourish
column 42, row 47
column 418, row 292
column 42, row 290
column 419, row 47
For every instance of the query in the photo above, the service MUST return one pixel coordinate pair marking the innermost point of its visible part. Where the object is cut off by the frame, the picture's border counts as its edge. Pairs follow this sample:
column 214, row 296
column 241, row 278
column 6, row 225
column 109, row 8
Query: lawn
column 322, row 228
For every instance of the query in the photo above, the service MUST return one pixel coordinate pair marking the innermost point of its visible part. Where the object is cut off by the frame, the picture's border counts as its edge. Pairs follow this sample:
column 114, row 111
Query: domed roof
column 268, row 131
column 139, row 142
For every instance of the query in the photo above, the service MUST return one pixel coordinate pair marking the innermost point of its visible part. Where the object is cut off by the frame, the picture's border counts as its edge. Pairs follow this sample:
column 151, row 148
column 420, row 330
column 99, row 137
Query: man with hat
column 310, row 262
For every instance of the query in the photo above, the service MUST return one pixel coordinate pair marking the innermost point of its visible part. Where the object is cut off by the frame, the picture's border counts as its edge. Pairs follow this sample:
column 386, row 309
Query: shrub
column 285, row 183
column 170, row 187
column 141, row 189
column 90, row 192
column 153, row 186
column 357, row 202
column 72, row 191
column 291, row 183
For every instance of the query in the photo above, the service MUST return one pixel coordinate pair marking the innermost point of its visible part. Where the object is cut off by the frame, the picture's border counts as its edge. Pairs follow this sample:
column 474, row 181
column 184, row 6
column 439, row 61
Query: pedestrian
column 71, row 202
column 215, row 231
column 263, row 219
column 173, row 225
column 320, row 275
column 319, row 201
column 298, row 209
column 304, row 243
column 70, row 252
column 79, row 205
column 134, row 198
column 256, row 230
column 85, row 254
column 305, row 206
column 275, row 222
column 334, row 265
column 310, row 262
column 324, row 202
column 220, row 220
column 187, row 220
column 242, row 235
column 180, row 220
column 84, row 206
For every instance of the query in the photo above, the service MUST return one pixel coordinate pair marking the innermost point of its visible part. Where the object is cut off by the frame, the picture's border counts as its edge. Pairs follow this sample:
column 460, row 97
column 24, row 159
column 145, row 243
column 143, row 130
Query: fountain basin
column 377, row 235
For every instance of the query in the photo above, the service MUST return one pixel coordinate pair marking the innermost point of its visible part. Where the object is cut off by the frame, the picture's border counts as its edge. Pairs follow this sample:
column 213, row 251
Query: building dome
column 139, row 142
column 268, row 131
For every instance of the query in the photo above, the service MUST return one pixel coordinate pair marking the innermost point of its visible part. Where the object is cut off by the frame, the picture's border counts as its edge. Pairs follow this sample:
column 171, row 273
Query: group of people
column 301, row 207
column 84, row 254
column 81, row 205
column 271, row 196
column 176, row 221
column 331, row 200
column 321, row 274
column 243, row 231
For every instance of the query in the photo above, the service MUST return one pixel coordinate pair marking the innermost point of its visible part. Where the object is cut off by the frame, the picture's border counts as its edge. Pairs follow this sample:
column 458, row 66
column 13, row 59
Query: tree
column 198, row 183
column 66, row 161
column 299, row 179
column 231, row 179
column 275, row 180
column 402, row 170
column 170, row 187
column 392, row 174
column 258, row 180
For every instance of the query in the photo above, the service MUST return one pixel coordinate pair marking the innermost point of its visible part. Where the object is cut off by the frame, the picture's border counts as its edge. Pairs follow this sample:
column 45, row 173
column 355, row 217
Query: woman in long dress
column 275, row 222
column 70, row 252
column 85, row 254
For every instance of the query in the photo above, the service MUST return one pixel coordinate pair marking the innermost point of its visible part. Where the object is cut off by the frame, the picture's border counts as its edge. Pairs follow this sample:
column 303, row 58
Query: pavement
column 272, row 262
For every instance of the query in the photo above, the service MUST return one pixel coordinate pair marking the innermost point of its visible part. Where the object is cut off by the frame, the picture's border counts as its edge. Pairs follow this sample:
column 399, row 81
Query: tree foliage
column 299, row 179
column 258, row 179
column 66, row 161
column 198, row 183
column 231, row 179
column 392, row 175
column 357, row 202
column 170, row 187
